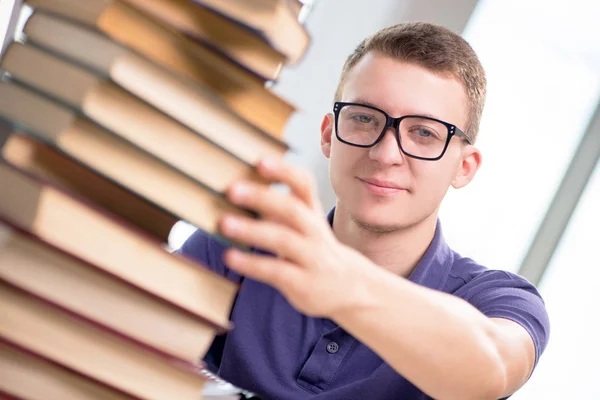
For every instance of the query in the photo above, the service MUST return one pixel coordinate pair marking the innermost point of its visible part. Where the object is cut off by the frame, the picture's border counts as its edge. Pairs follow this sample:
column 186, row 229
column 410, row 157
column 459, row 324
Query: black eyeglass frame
column 391, row 122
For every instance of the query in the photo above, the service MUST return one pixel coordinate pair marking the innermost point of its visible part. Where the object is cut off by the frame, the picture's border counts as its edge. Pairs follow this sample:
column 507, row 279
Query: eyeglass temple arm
column 460, row 133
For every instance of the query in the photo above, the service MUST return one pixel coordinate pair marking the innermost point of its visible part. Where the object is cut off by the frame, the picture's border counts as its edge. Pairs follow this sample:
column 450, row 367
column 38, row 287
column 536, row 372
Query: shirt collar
column 435, row 265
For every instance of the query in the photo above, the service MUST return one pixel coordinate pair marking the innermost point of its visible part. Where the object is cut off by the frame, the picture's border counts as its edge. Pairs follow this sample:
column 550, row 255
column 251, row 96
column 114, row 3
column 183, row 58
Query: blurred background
column 534, row 207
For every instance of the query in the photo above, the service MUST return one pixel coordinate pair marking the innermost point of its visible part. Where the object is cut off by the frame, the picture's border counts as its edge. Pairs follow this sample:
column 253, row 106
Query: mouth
column 382, row 187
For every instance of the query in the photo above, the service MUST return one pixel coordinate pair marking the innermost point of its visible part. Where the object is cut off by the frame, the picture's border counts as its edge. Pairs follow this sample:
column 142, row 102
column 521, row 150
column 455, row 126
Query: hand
column 316, row 273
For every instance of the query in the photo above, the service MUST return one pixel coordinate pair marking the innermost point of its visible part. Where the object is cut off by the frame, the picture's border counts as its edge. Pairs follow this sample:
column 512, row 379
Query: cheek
column 343, row 157
column 344, row 163
column 432, row 180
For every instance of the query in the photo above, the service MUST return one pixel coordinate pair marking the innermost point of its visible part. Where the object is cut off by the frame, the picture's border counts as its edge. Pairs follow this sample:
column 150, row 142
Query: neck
column 398, row 251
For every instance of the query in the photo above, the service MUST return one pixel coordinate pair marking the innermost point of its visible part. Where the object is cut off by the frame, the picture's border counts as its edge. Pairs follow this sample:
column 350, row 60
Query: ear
column 326, row 134
column 470, row 162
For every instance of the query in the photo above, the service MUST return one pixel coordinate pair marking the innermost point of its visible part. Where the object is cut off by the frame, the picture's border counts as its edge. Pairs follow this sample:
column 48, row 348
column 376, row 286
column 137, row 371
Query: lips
column 382, row 183
column 382, row 187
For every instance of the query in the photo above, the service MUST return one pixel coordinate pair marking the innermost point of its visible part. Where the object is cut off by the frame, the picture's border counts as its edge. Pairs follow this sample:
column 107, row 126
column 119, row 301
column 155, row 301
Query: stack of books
column 119, row 118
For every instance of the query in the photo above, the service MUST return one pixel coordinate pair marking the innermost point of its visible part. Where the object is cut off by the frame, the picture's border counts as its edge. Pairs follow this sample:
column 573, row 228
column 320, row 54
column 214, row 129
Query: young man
column 371, row 303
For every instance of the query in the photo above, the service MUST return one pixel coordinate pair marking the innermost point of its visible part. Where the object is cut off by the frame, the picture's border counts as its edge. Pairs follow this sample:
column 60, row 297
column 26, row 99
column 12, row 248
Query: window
column 570, row 365
column 542, row 61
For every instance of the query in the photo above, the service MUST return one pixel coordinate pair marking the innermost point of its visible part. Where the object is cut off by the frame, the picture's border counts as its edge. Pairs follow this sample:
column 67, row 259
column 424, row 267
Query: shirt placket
column 326, row 358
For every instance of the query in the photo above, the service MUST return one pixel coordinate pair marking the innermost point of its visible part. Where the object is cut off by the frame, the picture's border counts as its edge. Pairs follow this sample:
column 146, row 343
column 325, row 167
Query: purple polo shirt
column 279, row 353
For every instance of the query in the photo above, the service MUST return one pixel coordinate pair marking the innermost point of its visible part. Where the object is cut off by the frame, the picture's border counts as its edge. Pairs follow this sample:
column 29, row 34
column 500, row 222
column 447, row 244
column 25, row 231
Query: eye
column 363, row 118
column 424, row 132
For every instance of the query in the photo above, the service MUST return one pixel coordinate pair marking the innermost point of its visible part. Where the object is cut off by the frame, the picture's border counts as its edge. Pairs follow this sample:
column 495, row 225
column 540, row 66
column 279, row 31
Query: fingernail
column 231, row 224
column 269, row 163
column 240, row 190
column 232, row 256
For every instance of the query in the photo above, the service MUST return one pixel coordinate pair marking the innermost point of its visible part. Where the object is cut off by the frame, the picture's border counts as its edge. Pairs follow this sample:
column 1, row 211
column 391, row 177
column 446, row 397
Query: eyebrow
column 368, row 103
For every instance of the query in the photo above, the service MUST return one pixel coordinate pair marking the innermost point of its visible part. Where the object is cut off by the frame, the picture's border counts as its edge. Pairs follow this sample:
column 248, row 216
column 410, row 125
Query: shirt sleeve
column 206, row 249
column 501, row 294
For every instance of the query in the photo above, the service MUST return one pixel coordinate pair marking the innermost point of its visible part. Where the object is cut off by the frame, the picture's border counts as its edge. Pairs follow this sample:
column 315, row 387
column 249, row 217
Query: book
column 115, row 158
column 29, row 376
column 124, row 116
column 276, row 20
column 61, row 279
column 241, row 90
column 65, row 222
column 39, row 158
column 183, row 100
column 234, row 40
column 93, row 350
column 128, row 116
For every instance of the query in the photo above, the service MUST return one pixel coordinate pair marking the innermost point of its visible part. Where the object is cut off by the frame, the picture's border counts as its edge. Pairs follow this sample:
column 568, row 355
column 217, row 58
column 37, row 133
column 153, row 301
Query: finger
column 300, row 181
column 265, row 235
column 267, row 269
column 273, row 205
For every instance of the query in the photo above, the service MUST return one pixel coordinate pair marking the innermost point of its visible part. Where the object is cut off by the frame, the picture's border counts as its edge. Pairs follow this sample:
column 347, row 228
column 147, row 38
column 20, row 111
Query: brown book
column 82, row 288
column 136, row 121
column 41, row 159
column 84, row 231
column 276, row 20
column 194, row 105
column 29, row 376
column 114, row 158
column 94, row 350
column 242, row 90
column 234, row 40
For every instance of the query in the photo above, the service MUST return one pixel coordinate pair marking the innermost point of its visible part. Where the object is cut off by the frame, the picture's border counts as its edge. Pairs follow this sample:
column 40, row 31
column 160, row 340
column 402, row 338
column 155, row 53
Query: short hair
column 434, row 48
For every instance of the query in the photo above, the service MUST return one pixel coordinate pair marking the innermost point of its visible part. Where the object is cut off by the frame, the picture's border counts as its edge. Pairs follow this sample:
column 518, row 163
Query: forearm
column 439, row 342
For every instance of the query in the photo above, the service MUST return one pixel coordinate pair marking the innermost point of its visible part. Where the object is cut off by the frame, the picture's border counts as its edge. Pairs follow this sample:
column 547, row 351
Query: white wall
column 569, row 368
column 6, row 7
column 6, row 14
column 543, row 86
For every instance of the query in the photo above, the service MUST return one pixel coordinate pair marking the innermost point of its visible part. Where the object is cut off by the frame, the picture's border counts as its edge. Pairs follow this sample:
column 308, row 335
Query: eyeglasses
column 420, row 137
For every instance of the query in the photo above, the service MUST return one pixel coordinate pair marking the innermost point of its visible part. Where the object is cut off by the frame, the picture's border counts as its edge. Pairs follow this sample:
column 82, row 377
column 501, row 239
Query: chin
column 378, row 218
column 385, row 216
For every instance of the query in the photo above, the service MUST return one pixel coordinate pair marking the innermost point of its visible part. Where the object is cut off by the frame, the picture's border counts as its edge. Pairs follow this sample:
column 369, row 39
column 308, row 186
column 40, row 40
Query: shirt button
column 332, row 347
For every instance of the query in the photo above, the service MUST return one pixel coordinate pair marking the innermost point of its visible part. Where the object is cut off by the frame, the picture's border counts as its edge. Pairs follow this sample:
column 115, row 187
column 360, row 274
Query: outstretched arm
column 440, row 343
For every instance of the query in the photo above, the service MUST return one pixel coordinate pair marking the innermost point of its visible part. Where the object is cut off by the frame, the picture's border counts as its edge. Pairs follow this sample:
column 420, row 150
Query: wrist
column 359, row 295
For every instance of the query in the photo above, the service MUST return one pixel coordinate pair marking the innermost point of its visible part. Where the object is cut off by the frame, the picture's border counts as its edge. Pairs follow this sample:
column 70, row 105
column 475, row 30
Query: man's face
column 380, row 187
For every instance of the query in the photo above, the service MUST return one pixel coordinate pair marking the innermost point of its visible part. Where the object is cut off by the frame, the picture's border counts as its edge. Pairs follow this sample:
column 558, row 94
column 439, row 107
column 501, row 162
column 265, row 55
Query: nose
column 387, row 150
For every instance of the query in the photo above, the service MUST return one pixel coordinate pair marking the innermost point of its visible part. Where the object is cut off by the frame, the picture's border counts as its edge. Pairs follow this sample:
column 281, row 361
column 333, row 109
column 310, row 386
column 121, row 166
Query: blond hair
column 434, row 48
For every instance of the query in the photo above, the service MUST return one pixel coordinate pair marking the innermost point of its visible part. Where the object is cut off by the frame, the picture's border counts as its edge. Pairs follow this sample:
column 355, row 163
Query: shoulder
column 467, row 279
column 208, row 250
column 501, row 294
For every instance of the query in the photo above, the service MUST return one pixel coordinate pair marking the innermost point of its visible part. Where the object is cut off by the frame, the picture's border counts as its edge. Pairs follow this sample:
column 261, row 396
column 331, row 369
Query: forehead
column 401, row 88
